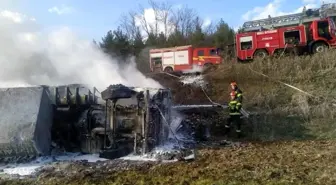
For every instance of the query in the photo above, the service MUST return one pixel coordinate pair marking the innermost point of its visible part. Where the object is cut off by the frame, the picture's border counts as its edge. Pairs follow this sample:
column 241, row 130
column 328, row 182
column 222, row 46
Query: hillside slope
column 280, row 111
column 182, row 93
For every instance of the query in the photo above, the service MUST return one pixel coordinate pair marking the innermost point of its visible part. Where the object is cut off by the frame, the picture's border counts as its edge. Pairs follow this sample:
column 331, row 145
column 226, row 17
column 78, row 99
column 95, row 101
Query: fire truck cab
column 308, row 33
column 182, row 58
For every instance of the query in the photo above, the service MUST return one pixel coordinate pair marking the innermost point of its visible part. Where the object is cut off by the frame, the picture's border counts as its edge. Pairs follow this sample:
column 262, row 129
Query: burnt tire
column 168, row 70
column 319, row 47
column 260, row 54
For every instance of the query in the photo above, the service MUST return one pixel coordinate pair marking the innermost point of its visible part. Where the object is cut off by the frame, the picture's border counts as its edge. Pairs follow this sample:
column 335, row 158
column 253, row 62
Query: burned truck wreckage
column 122, row 120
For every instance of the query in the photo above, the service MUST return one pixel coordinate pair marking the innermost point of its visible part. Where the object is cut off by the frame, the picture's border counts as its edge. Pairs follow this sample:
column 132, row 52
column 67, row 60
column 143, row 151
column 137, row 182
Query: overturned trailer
column 125, row 120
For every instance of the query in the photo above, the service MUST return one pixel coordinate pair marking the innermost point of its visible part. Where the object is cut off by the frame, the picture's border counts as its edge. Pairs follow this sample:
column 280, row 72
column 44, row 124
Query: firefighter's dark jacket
column 239, row 95
column 235, row 107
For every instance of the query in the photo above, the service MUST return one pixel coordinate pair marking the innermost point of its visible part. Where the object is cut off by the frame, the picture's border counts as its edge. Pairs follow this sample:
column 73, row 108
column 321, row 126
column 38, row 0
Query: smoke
column 29, row 57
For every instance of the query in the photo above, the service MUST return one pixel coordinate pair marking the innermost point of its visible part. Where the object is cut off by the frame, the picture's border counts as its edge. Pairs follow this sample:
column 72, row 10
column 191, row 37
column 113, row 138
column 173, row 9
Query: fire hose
column 244, row 112
column 333, row 100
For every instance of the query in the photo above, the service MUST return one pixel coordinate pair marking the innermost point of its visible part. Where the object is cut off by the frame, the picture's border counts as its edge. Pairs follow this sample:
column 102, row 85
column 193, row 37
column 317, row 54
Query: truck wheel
column 319, row 47
column 168, row 70
column 260, row 54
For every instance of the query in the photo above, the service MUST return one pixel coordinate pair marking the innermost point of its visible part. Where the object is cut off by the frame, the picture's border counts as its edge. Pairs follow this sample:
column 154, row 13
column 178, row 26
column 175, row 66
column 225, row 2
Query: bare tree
column 162, row 14
column 128, row 24
column 134, row 20
column 167, row 19
column 162, row 11
column 156, row 9
column 209, row 29
column 183, row 20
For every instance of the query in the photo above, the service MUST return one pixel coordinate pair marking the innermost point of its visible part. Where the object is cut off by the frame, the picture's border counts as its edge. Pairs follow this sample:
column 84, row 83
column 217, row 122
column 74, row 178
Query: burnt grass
column 288, row 139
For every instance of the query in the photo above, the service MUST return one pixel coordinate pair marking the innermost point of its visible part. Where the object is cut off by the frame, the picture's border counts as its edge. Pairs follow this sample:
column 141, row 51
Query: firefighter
column 234, row 113
column 239, row 93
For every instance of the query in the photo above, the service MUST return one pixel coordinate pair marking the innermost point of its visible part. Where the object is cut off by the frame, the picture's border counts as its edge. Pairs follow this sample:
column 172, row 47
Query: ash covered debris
column 155, row 118
column 25, row 122
column 143, row 116
column 126, row 120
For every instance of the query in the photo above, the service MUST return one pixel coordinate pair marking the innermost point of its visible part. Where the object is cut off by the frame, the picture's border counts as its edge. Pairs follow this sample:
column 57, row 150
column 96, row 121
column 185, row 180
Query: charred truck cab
column 311, row 31
column 136, row 121
column 72, row 118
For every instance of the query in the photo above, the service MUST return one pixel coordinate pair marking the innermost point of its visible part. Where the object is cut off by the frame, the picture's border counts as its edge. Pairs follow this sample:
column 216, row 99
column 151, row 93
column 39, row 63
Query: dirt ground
column 295, row 162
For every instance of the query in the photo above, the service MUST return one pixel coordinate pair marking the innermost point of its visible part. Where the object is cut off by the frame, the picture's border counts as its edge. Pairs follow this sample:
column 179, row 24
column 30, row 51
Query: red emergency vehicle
column 311, row 31
column 183, row 58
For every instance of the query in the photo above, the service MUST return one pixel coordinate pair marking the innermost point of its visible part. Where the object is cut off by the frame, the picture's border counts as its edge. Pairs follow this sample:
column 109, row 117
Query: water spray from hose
column 168, row 125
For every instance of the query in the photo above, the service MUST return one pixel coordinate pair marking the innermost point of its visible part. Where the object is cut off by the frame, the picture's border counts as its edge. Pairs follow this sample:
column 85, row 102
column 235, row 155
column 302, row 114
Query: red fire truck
column 183, row 58
column 311, row 31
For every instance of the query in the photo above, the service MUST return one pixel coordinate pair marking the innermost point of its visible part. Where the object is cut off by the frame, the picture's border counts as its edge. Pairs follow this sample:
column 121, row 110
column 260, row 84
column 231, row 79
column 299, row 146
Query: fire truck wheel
column 168, row 70
column 261, row 54
column 319, row 47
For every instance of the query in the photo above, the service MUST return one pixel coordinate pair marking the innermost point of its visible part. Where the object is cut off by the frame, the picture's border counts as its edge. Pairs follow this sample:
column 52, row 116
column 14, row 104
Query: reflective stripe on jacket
column 235, row 107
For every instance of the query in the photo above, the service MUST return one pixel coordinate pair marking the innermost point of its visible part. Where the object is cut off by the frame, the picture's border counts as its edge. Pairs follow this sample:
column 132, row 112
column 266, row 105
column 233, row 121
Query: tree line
column 171, row 27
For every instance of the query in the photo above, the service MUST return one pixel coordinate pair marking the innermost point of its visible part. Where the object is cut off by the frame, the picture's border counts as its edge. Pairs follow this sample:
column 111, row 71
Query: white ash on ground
column 29, row 168
column 75, row 164
column 59, row 164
